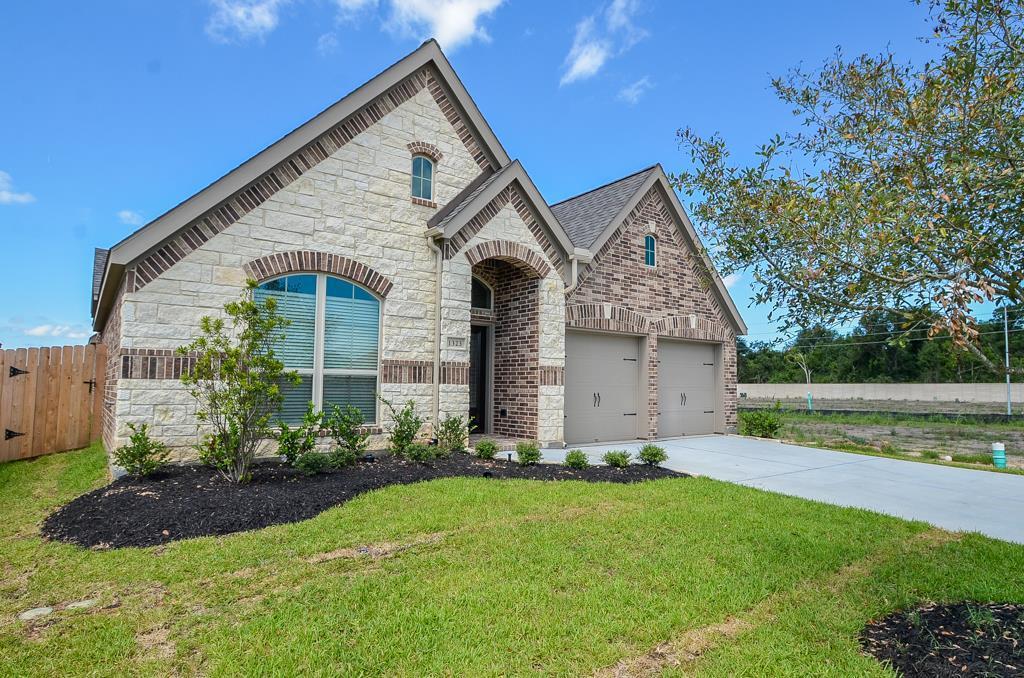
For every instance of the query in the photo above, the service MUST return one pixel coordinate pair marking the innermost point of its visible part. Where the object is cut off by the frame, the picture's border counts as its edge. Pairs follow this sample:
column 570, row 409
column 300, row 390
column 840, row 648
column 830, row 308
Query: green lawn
column 499, row 577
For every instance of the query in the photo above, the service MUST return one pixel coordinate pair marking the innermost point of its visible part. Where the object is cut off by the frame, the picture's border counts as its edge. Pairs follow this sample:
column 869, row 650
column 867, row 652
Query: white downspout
column 439, row 257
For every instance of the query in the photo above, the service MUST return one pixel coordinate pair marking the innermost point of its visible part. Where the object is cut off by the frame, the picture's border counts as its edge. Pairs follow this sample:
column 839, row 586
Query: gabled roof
column 99, row 265
column 451, row 222
column 586, row 215
column 640, row 184
column 165, row 227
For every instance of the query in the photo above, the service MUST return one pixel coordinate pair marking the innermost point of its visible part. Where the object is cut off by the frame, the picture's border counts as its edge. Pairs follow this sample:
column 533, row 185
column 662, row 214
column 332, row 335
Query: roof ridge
column 606, row 185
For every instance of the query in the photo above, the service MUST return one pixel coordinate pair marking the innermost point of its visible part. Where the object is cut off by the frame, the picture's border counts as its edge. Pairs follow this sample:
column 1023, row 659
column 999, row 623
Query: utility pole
column 1006, row 358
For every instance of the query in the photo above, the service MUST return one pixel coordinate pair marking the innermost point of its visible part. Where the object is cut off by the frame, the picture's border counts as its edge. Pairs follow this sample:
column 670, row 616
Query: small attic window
column 422, row 177
column 650, row 251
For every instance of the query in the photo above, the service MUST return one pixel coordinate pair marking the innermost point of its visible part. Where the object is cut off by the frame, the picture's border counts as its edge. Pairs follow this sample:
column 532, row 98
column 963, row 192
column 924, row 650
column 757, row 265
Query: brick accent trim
column 423, row 203
column 454, row 372
column 552, row 375
column 515, row 253
column 153, row 363
column 319, row 262
column 606, row 317
column 406, row 371
column 424, row 148
column 702, row 329
column 195, row 234
column 510, row 195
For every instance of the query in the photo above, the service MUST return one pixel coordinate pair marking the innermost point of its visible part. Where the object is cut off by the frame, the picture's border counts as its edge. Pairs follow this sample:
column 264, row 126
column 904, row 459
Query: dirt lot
column 908, row 406
column 963, row 440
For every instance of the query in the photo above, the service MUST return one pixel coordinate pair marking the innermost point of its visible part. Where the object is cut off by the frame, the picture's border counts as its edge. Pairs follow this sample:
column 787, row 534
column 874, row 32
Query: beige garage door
column 601, row 383
column 687, row 397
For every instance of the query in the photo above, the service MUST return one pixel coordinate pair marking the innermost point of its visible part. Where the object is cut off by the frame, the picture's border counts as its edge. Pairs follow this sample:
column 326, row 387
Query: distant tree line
column 880, row 350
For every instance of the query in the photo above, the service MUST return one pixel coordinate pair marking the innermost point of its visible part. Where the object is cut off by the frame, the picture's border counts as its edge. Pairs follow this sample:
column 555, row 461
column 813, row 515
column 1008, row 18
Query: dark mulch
column 963, row 639
column 193, row 501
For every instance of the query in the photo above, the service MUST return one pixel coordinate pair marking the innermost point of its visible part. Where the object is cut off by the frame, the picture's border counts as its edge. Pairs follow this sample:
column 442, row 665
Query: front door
column 479, row 377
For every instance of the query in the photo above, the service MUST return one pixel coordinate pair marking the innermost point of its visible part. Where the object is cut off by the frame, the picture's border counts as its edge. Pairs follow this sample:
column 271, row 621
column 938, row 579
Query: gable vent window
column 422, row 177
column 650, row 251
column 332, row 343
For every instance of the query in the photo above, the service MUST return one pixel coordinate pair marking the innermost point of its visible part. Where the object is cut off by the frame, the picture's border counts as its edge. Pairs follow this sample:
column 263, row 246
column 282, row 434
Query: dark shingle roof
column 99, row 265
column 460, row 201
column 585, row 216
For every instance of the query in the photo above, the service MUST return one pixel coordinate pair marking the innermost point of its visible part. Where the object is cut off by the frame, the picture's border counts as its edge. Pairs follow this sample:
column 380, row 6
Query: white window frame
column 654, row 250
column 413, row 177
column 319, row 332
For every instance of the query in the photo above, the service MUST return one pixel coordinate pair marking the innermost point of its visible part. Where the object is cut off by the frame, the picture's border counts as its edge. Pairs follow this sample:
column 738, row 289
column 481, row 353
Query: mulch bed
column 193, row 501
column 963, row 639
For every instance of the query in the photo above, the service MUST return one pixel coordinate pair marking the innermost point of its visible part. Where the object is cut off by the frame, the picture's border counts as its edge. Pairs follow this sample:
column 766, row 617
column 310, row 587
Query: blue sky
column 113, row 112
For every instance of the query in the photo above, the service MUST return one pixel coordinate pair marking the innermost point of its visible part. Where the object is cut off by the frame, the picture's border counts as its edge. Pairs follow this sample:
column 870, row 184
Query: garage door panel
column 687, row 393
column 601, row 377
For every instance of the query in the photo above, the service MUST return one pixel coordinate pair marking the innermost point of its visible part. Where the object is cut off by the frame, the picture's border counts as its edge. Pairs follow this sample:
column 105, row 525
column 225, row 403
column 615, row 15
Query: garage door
column 601, row 377
column 687, row 397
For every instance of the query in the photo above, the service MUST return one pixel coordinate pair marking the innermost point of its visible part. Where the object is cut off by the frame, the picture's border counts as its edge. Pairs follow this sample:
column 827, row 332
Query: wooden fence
column 51, row 399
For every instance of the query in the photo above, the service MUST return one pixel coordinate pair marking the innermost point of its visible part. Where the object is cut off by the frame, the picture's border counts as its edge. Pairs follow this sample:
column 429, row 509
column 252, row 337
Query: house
column 418, row 261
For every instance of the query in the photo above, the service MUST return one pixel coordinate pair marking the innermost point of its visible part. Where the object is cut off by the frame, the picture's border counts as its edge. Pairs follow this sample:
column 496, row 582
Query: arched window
column 422, row 177
column 332, row 342
column 481, row 295
column 650, row 251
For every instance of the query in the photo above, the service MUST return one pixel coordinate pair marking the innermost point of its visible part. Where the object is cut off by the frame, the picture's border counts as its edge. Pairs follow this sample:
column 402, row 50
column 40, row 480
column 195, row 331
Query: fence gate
column 50, row 399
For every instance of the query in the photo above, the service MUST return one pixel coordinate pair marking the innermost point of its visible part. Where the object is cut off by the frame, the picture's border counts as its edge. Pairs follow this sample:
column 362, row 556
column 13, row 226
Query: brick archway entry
column 505, row 369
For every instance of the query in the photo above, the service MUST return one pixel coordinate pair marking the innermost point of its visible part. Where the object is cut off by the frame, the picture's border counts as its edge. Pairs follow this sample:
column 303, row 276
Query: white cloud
column 63, row 331
column 239, row 20
column 631, row 93
column 587, row 54
column 7, row 194
column 451, row 22
column 327, row 44
column 730, row 280
column 130, row 217
column 600, row 37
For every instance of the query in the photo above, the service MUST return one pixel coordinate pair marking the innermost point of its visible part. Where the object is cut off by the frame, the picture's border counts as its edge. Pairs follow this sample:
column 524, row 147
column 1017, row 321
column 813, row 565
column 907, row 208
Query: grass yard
column 474, row 576
column 967, row 441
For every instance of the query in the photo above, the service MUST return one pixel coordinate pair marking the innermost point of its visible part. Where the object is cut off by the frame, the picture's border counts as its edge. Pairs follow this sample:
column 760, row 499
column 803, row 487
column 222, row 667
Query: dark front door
column 478, row 378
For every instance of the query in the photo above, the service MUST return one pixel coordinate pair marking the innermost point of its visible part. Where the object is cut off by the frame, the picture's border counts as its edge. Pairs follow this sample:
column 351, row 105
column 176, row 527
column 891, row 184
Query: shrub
column 404, row 428
column 346, row 428
column 652, row 454
column 617, row 458
column 294, row 443
column 142, row 456
column 420, row 452
column 576, row 459
column 528, row 453
column 763, row 423
column 236, row 381
column 313, row 462
column 486, row 449
column 452, row 435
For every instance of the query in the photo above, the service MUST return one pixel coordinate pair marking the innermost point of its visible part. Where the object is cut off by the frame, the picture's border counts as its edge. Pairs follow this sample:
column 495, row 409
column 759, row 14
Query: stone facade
column 618, row 292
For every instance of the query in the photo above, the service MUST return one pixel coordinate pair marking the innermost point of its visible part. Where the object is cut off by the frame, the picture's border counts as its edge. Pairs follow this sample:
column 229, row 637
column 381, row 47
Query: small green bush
column 420, row 452
column 142, row 456
column 486, row 449
column 346, row 428
column 312, row 462
column 576, row 459
column 452, row 435
column 617, row 458
column 294, row 443
column 405, row 426
column 652, row 454
column 764, row 423
column 528, row 453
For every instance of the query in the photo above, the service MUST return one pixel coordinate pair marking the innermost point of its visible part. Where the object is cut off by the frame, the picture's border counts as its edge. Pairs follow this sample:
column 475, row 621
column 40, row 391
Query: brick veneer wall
column 515, row 376
column 110, row 337
column 618, row 292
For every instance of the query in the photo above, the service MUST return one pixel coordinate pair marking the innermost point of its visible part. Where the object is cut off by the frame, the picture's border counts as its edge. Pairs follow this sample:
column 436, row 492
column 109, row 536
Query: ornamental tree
column 903, row 191
column 236, row 381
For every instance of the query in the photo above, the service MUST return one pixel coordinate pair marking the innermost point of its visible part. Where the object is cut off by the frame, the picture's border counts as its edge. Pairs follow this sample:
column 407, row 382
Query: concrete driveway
column 952, row 498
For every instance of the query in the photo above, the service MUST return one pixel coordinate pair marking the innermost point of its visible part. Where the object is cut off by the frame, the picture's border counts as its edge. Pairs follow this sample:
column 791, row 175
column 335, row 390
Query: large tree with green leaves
column 903, row 191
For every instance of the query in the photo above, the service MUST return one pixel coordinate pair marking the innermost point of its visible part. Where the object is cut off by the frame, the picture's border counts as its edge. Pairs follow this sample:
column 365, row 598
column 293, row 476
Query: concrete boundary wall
column 965, row 393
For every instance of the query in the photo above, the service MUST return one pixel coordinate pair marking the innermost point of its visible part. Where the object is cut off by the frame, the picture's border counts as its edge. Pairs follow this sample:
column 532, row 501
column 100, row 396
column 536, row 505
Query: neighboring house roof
column 165, row 227
column 586, row 215
column 627, row 192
